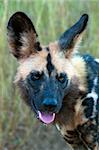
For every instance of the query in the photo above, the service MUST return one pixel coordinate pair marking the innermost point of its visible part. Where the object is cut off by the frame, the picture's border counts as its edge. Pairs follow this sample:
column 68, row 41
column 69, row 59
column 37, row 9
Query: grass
column 51, row 18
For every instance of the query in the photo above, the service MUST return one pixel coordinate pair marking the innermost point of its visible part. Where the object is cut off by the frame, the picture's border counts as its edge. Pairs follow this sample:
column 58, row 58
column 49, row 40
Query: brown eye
column 61, row 78
column 36, row 75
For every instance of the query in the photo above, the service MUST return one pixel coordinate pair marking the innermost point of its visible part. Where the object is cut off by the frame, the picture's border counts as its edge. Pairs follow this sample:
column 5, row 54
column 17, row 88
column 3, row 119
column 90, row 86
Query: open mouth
column 46, row 118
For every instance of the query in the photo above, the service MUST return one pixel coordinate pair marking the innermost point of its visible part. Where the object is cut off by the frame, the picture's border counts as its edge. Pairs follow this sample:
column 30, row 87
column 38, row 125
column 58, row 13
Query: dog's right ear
column 22, row 37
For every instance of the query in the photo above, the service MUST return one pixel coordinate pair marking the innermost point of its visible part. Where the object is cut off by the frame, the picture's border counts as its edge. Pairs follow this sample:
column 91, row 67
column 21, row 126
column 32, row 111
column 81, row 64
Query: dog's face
column 45, row 73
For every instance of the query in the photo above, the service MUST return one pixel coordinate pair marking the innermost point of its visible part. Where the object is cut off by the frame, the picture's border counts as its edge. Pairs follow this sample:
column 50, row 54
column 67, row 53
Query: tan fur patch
column 73, row 66
column 75, row 46
column 28, row 40
column 79, row 117
column 79, row 66
column 60, row 62
column 34, row 62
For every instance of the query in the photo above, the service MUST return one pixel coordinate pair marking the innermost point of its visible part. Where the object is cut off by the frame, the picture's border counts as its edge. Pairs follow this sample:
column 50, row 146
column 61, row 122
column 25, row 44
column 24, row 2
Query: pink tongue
column 46, row 118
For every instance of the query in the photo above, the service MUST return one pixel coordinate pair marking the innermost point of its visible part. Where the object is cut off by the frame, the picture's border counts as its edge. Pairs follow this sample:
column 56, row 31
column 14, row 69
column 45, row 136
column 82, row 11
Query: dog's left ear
column 71, row 38
column 22, row 37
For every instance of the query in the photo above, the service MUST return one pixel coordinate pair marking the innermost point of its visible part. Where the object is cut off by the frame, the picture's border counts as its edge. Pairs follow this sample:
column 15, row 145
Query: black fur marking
column 92, row 68
column 88, row 102
column 89, row 130
column 19, row 22
column 50, row 66
column 37, row 46
column 66, row 40
column 47, row 48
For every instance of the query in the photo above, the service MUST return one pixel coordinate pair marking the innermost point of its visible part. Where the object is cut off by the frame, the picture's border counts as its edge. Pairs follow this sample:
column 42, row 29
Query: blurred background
column 19, row 129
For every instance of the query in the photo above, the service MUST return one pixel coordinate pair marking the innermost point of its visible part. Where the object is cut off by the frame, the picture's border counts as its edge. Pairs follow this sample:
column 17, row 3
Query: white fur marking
column 57, row 126
column 94, row 95
column 97, row 60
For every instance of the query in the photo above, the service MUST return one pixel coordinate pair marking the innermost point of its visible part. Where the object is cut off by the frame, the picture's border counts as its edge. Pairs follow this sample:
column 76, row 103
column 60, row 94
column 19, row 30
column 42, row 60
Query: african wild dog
column 60, row 85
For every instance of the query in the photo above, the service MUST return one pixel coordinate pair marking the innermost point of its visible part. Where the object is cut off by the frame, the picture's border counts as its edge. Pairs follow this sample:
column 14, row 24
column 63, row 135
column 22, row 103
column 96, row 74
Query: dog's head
column 45, row 73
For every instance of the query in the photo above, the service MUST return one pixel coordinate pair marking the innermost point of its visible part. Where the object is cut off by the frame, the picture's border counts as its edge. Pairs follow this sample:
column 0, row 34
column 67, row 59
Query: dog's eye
column 36, row 75
column 61, row 78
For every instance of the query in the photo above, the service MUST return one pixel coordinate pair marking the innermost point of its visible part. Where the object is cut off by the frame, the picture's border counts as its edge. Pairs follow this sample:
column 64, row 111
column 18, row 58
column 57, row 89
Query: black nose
column 49, row 104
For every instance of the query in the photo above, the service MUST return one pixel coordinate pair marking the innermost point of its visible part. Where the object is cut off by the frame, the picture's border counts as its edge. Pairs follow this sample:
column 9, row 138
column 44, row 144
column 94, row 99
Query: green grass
column 51, row 18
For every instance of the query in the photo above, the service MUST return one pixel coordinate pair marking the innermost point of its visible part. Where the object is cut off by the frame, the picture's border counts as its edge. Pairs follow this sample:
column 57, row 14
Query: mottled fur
column 58, row 74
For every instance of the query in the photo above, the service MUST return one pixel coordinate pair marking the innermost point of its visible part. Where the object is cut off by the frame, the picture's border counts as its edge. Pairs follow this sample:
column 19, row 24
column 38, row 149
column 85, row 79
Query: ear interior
column 70, row 38
column 22, row 36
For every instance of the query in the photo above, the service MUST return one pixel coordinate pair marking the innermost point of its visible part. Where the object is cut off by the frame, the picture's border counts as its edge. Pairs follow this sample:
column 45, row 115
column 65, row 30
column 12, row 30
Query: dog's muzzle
column 48, row 110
